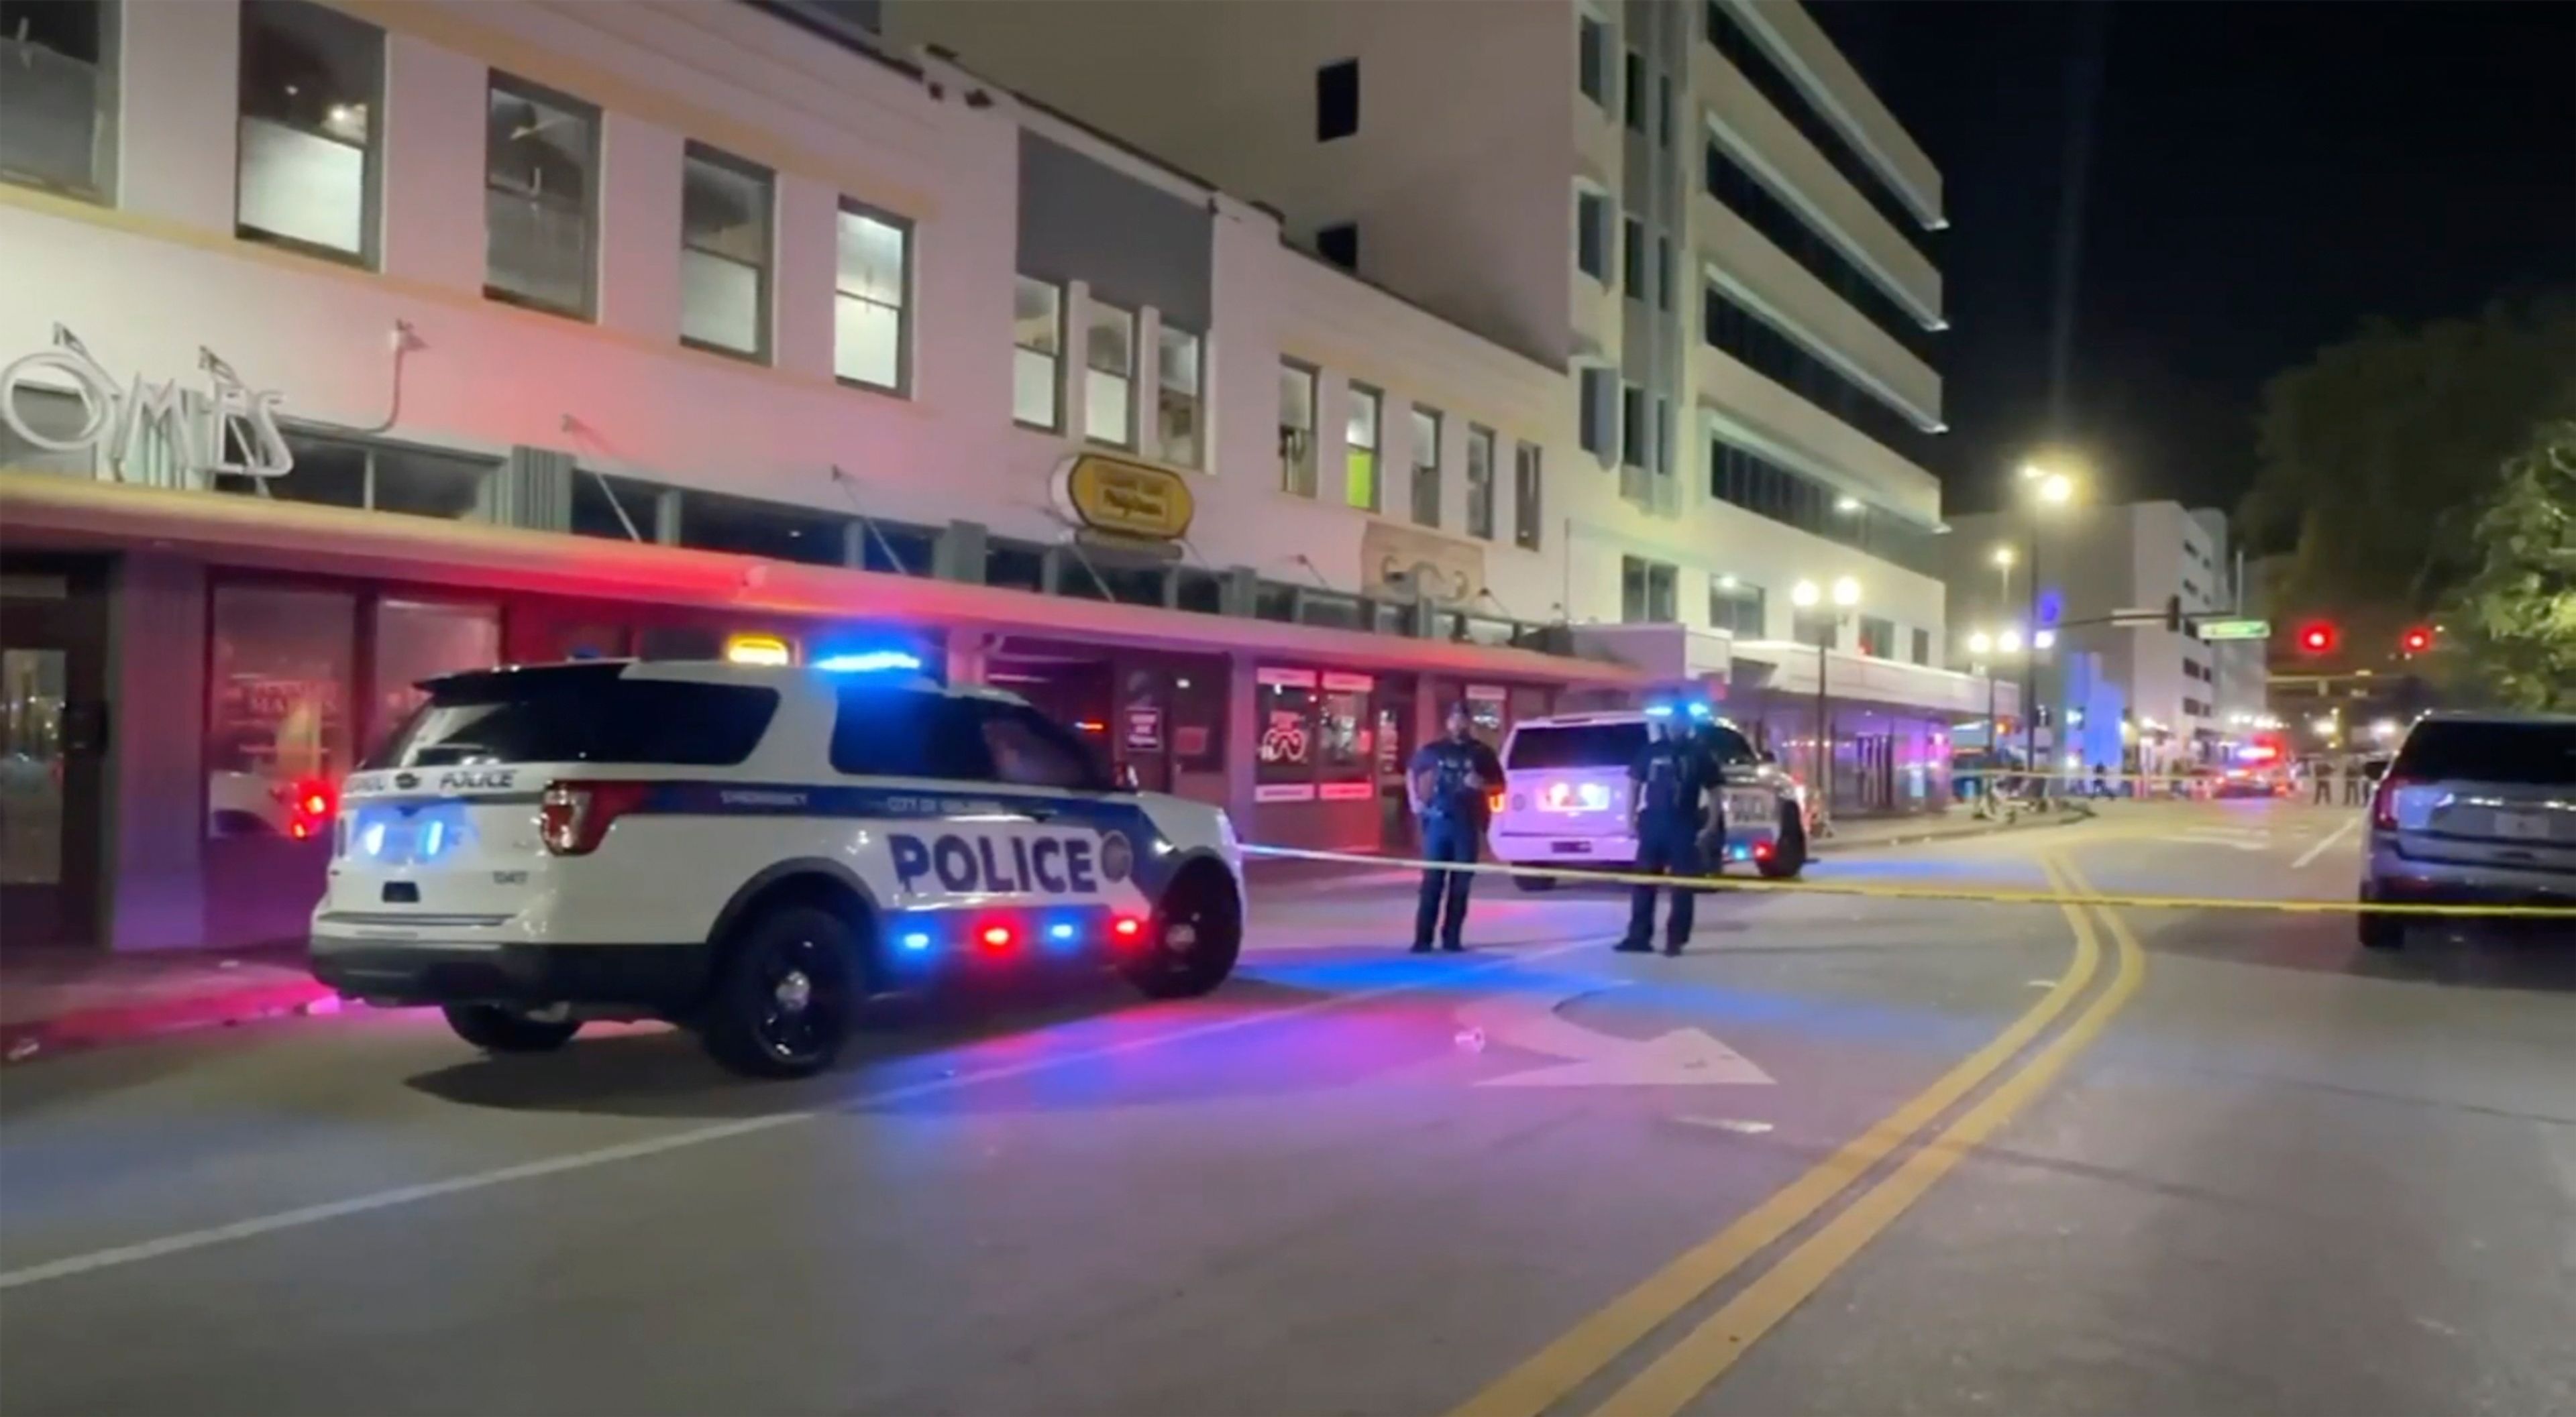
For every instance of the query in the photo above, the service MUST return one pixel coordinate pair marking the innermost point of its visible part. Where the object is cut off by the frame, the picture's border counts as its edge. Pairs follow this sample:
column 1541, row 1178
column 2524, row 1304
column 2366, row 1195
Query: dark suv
column 2476, row 807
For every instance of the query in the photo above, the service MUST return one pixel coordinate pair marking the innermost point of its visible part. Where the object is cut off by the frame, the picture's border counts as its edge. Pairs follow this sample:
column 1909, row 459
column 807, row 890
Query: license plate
column 2522, row 826
column 1572, row 848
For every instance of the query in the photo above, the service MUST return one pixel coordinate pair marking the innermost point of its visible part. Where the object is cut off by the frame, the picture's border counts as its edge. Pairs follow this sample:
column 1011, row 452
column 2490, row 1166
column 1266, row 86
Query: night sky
column 2262, row 177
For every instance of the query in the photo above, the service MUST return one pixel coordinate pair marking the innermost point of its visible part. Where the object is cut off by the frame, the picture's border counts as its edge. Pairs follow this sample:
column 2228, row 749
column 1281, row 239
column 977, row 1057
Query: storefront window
column 277, row 720
column 1345, row 736
column 1285, row 771
column 615, row 508
column 418, row 640
column 748, row 528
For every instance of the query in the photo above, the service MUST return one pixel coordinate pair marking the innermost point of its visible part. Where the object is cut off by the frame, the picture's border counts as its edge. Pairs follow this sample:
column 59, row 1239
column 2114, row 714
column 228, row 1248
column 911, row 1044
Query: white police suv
column 1568, row 803
column 749, row 852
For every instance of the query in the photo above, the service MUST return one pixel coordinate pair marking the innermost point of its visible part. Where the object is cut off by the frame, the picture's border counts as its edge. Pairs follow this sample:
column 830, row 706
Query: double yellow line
column 1702, row 1355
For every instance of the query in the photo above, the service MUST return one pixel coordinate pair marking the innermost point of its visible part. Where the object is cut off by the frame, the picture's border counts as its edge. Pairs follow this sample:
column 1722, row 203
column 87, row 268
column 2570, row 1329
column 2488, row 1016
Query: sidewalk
column 1959, row 820
column 52, row 1000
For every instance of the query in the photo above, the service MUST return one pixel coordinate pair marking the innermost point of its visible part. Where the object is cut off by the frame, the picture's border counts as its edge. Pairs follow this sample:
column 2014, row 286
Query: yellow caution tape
column 1989, row 895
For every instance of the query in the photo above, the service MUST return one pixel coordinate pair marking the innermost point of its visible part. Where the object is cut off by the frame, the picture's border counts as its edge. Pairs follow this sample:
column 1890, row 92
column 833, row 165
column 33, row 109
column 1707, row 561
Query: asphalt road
column 1850, row 1155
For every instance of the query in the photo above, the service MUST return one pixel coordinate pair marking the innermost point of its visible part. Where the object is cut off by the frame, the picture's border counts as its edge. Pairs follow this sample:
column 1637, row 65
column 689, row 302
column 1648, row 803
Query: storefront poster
column 1190, row 740
column 1144, row 728
column 1346, row 791
column 1284, row 792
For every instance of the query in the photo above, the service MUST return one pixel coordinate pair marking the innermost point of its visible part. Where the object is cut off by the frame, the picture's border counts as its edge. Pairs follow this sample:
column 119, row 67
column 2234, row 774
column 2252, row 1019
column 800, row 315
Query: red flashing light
column 1761, row 851
column 2416, row 641
column 2317, row 638
column 1126, row 927
column 299, row 831
column 996, row 937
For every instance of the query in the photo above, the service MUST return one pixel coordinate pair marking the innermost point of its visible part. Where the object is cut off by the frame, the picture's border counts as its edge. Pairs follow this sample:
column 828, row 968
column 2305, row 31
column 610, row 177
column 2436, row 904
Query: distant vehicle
column 749, row 852
column 2475, row 807
column 1569, row 803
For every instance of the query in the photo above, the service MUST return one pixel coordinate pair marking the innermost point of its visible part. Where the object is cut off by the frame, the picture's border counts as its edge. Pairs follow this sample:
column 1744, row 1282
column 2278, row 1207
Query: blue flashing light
column 916, row 939
column 1060, row 931
column 1698, row 710
column 1740, row 853
column 874, row 661
column 1659, row 710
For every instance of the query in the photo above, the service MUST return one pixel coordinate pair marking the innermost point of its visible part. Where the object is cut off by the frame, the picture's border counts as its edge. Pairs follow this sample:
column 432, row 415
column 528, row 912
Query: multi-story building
column 2179, row 700
column 1699, row 213
column 348, row 344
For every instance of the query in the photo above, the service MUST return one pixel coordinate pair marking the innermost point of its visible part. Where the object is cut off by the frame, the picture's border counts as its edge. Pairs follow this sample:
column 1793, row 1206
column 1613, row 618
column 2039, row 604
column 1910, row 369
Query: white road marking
column 636, row 1150
column 1682, row 1057
column 2319, row 849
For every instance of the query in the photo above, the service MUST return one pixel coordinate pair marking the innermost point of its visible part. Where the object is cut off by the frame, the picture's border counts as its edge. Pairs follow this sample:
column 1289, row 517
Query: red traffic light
column 2317, row 638
column 2416, row 641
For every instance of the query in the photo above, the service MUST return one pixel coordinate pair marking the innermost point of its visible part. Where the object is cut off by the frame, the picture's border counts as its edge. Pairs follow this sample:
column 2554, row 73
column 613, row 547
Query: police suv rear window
column 1577, row 745
column 2452, row 750
column 585, row 713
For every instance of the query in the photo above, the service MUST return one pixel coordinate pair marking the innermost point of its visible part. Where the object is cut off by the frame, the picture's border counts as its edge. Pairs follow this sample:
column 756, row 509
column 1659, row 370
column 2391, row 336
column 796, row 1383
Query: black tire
column 783, row 998
column 498, row 1030
column 1191, row 945
column 1535, row 884
column 1790, row 856
column 2379, row 930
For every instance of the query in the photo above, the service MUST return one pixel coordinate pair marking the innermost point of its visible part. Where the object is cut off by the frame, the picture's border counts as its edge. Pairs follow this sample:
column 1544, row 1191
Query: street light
column 2009, row 642
column 2043, row 639
column 2049, row 488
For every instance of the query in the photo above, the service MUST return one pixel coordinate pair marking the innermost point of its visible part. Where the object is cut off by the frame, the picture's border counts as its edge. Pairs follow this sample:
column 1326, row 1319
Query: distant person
column 2354, row 783
column 2321, row 774
column 2101, row 781
column 1672, row 774
column 1449, row 779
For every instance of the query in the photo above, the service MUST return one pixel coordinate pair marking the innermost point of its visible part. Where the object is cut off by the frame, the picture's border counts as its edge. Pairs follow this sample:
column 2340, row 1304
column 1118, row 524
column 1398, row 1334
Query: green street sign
column 2236, row 629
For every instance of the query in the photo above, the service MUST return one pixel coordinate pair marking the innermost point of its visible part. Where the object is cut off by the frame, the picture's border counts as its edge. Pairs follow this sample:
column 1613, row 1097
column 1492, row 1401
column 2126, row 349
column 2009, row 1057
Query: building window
column 1525, row 496
column 1340, row 244
column 278, row 707
column 382, row 477
column 1592, row 60
column 1633, row 97
column 421, row 639
column 1781, row 357
column 1735, row 607
column 1480, row 482
column 1663, row 273
column 1177, row 396
column 746, row 527
column 616, row 508
column 1646, row 595
column 1632, row 258
column 871, row 321
column 1877, row 637
column 1632, row 425
column 1592, row 235
column 1663, row 435
column 724, row 253
column 1037, row 335
column 1296, row 429
column 1750, row 197
column 540, row 188
column 1360, row 445
column 1337, row 100
column 1426, row 467
column 58, row 101
column 312, row 85
column 1593, row 430
column 1664, row 110
column 1109, row 393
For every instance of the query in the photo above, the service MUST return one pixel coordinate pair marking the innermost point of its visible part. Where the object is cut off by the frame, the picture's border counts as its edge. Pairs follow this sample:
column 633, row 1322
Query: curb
column 2060, row 819
column 91, row 1028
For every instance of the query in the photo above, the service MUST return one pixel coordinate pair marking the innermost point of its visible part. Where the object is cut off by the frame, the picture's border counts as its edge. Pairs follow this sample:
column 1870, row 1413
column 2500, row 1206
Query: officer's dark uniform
column 1453, row 824
column 1672, row 776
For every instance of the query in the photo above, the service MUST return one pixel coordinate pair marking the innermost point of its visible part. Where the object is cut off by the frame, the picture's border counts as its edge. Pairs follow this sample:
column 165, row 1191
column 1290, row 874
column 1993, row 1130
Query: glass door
column 52, row 749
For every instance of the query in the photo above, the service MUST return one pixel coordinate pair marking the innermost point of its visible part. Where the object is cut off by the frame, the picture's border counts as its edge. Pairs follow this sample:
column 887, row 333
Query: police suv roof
column 715, row 671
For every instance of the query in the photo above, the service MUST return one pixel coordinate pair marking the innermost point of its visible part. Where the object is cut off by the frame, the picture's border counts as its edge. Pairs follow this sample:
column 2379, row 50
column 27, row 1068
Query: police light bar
column 758, row 649
column 874, row 661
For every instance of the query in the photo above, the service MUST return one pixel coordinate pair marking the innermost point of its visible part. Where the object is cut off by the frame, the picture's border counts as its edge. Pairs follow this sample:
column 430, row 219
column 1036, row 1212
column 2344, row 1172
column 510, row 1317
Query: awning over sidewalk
column 44, row 511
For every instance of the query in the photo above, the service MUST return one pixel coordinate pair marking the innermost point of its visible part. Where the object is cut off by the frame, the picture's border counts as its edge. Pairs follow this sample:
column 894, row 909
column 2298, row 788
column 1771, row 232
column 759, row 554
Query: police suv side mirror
column 1769, row 759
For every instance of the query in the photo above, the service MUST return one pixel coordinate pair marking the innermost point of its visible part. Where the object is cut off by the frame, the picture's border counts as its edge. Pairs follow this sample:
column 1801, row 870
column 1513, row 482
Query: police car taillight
column 572, row 817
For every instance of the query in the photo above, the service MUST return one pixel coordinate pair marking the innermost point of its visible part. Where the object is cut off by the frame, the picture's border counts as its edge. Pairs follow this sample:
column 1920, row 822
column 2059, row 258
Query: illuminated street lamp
column 2050, row 488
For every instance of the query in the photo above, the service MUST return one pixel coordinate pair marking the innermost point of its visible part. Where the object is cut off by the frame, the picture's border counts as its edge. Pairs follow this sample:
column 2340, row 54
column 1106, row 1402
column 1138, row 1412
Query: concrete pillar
column 153, row 870
column 639, row 212
column 178, row 120
column 966, row 657
column 802, row 305
column 1242, row 738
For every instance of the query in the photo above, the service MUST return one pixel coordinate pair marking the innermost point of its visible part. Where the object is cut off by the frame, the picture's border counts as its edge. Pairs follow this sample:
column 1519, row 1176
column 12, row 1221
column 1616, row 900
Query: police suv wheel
column 1191, row 945
column 2378, row 929
column 1789, row 857
column 498, row 1030
column 782, row 1001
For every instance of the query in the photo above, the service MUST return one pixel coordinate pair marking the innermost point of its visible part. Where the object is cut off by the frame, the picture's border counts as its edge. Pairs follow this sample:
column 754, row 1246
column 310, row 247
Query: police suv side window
column 1028, row 751
column 886, row 732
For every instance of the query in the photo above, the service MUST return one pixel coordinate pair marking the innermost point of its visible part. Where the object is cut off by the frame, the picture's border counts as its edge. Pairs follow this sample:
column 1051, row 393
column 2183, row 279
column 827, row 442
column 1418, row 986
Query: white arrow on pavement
column 1683, row 1057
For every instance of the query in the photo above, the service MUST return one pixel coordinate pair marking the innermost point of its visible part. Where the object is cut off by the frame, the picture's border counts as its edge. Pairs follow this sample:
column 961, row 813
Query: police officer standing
column 1671, row 776
column 1450, row 778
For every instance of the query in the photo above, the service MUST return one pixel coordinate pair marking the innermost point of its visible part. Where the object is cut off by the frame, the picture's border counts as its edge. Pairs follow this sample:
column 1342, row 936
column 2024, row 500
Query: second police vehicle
column 749, row 852
column 1570, row 804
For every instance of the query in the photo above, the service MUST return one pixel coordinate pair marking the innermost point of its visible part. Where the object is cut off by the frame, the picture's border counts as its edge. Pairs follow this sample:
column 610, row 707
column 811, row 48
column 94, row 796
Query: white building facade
column 353, row 343
column 1698, row 213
